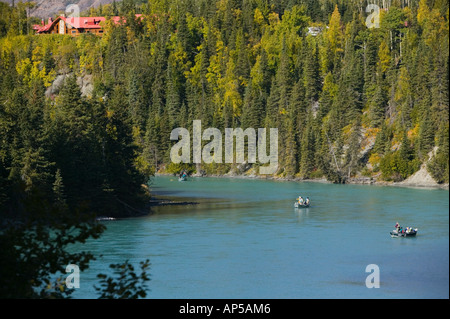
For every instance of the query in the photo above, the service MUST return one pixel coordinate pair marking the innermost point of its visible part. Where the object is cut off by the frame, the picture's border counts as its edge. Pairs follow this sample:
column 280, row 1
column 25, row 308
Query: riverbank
column 160, row 201
column 420, row 179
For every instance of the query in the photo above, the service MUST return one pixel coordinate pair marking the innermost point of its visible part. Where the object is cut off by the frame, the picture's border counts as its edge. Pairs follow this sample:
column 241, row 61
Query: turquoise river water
column 244, row 239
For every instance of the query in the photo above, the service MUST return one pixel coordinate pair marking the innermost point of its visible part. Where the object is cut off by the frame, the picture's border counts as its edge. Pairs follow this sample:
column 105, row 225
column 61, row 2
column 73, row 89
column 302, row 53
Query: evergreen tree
column 312, row 78
column 426, row 136
column 382, row 142
column 58, row 190
column 136, row 101
column 439, row 164
column 378, row 106
column 307, row 152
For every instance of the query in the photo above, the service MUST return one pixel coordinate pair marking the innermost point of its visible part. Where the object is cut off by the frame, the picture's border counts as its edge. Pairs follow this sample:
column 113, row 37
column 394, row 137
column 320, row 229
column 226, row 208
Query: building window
column 74, row 31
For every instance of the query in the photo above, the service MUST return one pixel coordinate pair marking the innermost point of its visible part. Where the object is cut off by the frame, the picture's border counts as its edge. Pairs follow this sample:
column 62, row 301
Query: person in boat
column 307, row 201
column 300, row 200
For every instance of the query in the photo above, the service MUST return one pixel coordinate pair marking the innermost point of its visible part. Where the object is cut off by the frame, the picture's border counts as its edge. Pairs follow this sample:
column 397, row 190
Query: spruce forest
column 85, row 121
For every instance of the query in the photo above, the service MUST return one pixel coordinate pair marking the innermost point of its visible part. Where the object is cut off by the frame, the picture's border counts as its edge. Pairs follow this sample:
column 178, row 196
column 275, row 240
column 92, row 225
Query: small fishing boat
column 410, row 232
column 300, row 202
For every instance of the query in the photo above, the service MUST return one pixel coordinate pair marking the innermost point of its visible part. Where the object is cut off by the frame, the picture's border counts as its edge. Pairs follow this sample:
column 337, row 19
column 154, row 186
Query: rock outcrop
column 422, row 177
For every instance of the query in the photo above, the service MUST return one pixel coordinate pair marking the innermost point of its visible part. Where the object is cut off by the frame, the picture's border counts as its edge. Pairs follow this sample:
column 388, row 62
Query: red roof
column 80, row 22
column 84, row 22
column 42, row 27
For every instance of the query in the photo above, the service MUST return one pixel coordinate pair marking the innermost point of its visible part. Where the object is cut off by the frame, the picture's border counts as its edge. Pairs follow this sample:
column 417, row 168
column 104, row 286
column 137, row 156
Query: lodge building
column 75, row 25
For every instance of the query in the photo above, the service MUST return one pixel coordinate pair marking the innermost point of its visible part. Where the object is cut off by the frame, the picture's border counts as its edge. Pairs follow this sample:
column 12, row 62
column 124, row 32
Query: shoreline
column 161, row 201
column 352, row 181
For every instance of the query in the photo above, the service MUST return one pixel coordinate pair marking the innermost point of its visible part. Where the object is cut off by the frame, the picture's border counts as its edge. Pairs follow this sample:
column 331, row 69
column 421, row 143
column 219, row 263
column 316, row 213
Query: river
column 245, row 240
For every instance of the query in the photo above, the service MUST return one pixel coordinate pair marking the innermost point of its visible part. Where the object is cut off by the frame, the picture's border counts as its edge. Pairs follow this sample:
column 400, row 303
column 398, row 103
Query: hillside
column 348, row 101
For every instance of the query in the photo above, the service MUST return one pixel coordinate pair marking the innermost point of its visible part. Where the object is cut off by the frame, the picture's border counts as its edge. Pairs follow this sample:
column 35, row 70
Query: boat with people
column 301, row 202
column 182, row 177
column 399, row 231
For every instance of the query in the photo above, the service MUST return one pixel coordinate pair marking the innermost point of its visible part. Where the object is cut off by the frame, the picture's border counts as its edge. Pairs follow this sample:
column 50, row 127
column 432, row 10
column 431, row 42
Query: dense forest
column 85, row 121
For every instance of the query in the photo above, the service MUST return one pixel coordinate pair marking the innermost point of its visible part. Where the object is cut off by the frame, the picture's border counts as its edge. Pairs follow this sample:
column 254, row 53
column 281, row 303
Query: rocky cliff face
column 422, row 177
column 48, row 8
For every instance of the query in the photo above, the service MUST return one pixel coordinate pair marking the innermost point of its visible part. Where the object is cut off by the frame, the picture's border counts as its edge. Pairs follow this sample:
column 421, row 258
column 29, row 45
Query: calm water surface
column 245, row 240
